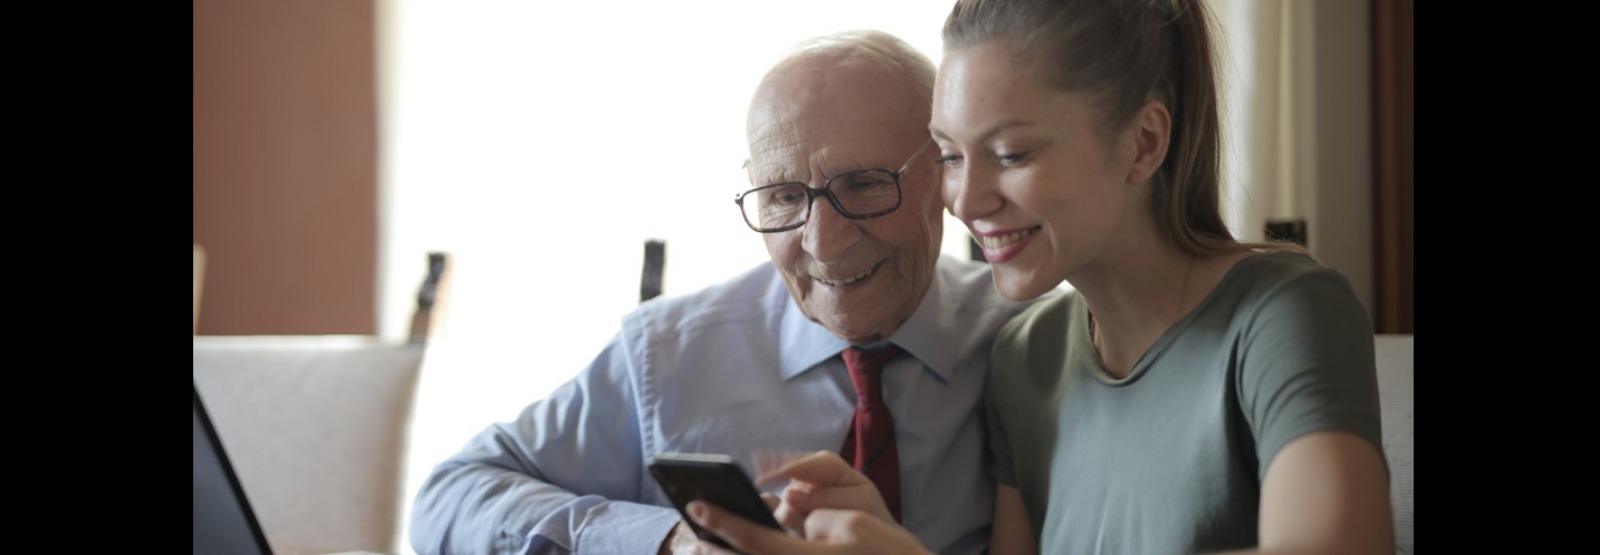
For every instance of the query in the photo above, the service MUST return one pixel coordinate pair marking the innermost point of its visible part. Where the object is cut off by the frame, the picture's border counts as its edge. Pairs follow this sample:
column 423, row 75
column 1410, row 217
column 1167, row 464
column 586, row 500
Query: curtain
column 1393, row 156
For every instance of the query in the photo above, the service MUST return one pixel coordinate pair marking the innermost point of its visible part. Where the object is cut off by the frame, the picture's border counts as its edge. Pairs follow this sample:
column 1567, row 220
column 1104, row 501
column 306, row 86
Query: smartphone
column 712, row 478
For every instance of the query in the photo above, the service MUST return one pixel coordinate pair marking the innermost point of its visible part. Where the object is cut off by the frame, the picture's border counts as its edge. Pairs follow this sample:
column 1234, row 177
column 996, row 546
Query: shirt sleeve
column 564, row 477
column 1307, row 365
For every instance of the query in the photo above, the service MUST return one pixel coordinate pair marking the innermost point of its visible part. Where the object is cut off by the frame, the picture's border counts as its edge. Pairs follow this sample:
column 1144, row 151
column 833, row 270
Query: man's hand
column 827, row 531
column 823, row 480
column 681, row 541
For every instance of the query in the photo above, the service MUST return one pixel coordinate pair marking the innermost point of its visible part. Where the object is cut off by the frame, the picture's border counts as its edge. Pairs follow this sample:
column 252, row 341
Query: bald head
column 867, row 49
column 879, row 62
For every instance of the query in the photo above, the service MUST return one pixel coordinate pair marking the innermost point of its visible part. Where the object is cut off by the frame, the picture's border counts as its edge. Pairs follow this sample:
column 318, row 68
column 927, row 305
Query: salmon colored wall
column 285, row 162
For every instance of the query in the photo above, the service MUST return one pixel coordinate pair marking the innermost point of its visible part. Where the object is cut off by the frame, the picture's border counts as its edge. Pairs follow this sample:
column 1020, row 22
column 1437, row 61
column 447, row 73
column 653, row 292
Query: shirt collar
column 804, row 344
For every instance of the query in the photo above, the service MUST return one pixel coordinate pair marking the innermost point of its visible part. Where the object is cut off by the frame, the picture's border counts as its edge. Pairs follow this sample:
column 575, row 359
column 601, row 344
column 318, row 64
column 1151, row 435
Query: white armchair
column 317, row 430
column 1395, row 360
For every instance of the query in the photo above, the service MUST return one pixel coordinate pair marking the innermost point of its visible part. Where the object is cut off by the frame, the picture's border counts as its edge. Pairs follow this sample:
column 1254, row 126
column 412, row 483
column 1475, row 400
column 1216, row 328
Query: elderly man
column 845, row 192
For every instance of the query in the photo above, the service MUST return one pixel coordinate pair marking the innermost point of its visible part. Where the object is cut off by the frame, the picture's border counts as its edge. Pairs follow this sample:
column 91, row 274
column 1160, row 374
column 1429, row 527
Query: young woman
column 1193, row 393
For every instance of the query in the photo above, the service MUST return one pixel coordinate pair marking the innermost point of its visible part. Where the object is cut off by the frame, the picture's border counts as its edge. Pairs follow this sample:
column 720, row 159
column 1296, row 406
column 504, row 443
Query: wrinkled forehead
column 832, row 116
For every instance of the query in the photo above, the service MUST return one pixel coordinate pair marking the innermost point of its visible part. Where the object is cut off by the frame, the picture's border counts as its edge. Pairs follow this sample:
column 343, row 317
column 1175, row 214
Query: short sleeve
column 1307, row 364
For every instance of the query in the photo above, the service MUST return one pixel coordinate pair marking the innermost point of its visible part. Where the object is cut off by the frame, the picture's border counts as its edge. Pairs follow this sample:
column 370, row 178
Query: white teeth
column 1000, row 242
column 845, row 281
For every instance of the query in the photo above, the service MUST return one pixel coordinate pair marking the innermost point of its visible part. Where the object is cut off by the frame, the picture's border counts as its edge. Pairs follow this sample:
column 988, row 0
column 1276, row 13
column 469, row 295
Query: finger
column 768, row 460
column 861, row 532
column 791, row 513
column 795, row 527
column 861, row 497
column 792, row 521
column 798, row 495
column 800, row 498
column 836, row 524
column 742, row 534
column 824, row 468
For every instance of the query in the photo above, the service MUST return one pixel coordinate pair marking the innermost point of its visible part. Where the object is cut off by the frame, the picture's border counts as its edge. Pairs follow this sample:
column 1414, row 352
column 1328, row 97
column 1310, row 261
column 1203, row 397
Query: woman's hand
column 823, row 480
column 827, row 531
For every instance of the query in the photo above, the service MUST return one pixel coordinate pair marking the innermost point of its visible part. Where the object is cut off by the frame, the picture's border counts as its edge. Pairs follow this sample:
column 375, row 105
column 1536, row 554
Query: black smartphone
column 712, row 478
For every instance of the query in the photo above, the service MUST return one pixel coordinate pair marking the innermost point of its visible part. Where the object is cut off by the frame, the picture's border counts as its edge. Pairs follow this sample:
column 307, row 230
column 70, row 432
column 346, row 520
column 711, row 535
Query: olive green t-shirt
column 1171, row 458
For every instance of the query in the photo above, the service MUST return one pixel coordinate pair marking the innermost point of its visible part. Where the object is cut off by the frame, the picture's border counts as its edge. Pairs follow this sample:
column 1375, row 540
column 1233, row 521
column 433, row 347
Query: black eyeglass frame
column 826, row 190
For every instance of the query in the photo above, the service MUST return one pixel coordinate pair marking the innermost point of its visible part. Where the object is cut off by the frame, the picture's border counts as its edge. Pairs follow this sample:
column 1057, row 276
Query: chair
column 317, row 428
column 1395, row 357
column 199, row 279
column 655, row 263
column 427, row 297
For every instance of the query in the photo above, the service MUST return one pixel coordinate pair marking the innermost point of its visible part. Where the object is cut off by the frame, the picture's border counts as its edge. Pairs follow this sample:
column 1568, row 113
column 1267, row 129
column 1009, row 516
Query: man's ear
column 1152, row 132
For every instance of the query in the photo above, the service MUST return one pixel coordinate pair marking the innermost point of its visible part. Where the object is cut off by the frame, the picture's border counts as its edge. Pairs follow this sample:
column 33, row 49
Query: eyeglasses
column 861, row 195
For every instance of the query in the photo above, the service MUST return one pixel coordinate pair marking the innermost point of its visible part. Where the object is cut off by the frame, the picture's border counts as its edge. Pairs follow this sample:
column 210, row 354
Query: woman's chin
column 1017, row 287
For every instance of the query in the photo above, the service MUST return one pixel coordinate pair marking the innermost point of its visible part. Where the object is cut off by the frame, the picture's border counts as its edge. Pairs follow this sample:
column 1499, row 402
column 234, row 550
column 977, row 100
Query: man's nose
column 828, row 233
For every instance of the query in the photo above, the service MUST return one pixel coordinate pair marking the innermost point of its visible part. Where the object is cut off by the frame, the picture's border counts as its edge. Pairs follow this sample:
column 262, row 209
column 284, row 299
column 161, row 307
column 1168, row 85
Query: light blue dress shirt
column 732, row 369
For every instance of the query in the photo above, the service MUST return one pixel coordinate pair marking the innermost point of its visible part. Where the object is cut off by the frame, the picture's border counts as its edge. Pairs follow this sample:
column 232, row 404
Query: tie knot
column 866, row 365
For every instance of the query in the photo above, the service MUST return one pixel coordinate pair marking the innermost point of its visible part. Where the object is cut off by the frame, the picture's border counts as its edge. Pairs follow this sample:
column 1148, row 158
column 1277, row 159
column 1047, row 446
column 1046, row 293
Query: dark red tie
column 870, row 446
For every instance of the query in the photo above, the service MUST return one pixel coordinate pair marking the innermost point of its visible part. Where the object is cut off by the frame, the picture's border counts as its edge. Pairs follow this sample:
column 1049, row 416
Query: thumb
column 861, row 497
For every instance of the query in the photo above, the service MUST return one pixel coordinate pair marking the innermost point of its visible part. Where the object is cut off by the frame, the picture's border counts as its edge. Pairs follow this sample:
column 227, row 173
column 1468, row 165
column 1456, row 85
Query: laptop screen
column 223, row 521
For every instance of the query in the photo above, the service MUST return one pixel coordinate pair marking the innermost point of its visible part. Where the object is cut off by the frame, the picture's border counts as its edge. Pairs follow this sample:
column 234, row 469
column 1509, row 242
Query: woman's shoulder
column 1278, row 292
column 1270, row 274
column 1284, row 262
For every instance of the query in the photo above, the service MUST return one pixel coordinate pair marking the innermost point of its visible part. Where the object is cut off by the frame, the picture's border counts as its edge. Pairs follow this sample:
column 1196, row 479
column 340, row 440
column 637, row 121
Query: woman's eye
column 1012, row 158
column 950, row 160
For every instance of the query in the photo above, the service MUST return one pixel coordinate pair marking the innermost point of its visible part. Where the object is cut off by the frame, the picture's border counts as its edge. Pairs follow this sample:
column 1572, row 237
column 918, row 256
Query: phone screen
column 715, row 479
